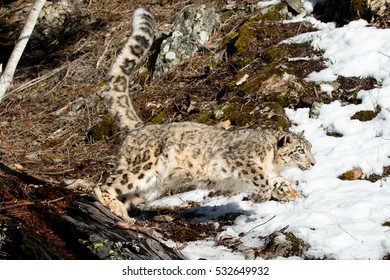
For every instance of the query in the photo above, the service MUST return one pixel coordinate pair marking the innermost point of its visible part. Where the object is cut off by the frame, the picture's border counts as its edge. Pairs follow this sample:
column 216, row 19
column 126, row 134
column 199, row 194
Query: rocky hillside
column 222, row 63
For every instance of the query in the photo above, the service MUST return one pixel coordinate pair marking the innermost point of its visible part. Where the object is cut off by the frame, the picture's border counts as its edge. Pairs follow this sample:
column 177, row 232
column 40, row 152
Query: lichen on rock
column 192, row 29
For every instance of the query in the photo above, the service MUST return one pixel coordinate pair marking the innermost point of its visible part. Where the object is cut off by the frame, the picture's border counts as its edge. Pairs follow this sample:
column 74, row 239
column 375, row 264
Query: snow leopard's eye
column 301, row 151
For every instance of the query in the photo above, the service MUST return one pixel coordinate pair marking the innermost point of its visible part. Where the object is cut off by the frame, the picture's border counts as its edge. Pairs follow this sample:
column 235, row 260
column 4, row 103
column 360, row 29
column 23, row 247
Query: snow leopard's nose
column 309, row 164
column 312, row 163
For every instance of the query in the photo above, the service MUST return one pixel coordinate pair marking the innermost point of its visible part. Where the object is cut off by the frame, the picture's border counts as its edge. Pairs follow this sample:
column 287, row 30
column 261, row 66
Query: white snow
column 355, row 50
column 338, row 219
column 264, row 4
column 327, row 88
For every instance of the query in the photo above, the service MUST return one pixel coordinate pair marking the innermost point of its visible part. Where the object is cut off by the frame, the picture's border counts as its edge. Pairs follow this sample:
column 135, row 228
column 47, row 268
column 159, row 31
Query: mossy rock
column 243, row 46
column 364, row 116
column 286, row 101
column 206, row 117
column 273, row 54
column 350, row 175
column 264, row 115
column 104, row 129
column 282, row 244
column 272, row 115
column 235, row 116
column 276, row 13
column 223, row 113
column 255, row 84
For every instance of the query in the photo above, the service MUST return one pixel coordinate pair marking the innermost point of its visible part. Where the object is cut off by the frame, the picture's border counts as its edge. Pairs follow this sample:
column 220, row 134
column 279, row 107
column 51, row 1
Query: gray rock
column 283, row 243
column 296, row 5
column 191, row 30
column 315, row 110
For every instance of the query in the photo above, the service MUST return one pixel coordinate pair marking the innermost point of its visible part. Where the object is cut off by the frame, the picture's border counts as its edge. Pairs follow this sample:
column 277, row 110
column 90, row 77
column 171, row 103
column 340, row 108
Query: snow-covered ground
column 338, row 219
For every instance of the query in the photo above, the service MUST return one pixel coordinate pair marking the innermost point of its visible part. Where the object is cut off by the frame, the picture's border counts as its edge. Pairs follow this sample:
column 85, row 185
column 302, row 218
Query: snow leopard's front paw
column 282, row 190
column 115, row 206
column 118, row 209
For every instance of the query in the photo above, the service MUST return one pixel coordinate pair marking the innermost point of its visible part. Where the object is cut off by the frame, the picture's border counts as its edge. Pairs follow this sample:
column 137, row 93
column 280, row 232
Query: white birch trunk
column 9, row 71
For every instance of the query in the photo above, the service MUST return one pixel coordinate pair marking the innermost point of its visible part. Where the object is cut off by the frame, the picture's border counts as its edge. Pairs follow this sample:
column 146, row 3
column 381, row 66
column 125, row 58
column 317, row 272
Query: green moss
column 280, row 123
column 243, row 45
column 286, row 101
column 205, row 117
column 106, row 128
column 229, row 87
column 247, row 37
column 276, row 53
column 161, row 116
column 254, row 85
column 274, row 14
column 364, row 116
column 158, row 118
column 236, row 117
column 271, row 116
column 277, row 118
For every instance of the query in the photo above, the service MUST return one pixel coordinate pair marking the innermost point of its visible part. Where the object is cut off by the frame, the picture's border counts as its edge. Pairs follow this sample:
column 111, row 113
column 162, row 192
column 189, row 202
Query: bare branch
column 9, row 71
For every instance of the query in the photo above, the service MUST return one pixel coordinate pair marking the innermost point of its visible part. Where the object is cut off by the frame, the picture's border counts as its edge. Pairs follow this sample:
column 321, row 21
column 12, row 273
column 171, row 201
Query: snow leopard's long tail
column 136, row 47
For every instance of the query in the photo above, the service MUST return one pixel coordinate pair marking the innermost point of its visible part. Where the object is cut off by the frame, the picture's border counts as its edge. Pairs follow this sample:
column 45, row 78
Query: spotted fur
column 130, row 56
column 170, row 158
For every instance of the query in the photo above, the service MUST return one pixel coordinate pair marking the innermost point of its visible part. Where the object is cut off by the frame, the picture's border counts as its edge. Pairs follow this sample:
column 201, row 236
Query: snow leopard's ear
column 285, row 140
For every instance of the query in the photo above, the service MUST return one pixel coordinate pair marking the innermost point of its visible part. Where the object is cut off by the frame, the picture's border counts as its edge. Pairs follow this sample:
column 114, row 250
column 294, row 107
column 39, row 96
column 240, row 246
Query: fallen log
column 39, row 220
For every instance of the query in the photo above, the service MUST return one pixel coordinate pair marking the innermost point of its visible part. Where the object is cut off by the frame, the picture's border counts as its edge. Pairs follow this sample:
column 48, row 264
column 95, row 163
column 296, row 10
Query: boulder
column 191, row 30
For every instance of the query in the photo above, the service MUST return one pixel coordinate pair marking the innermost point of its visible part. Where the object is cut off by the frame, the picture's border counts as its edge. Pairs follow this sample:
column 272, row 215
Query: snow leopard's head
column 293, row 150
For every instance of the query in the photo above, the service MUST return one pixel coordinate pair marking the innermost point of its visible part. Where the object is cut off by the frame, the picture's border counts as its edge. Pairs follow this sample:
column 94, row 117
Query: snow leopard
column 156, row 160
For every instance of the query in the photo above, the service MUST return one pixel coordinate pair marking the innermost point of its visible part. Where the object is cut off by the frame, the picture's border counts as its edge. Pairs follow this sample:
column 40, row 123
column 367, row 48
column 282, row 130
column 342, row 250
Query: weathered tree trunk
column 42, row 221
